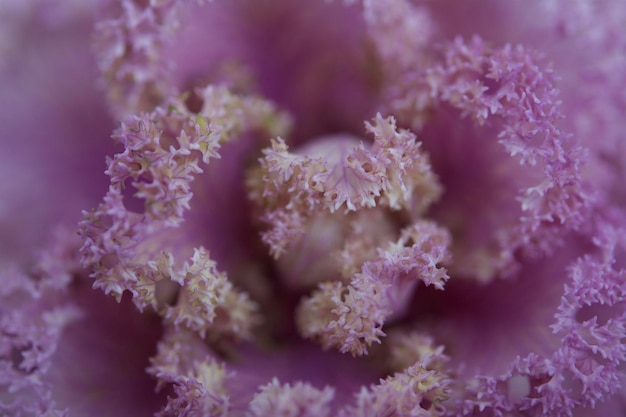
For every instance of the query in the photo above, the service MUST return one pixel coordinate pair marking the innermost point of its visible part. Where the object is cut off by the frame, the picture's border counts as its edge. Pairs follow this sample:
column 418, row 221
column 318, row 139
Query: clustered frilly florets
column 354, row 227
column 392, row 173
column 350, row 317
column 132, row 250
column 509, row 90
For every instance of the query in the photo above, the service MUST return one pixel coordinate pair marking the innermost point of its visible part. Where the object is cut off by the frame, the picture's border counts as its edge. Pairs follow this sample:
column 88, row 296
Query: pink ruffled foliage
column 360, row 208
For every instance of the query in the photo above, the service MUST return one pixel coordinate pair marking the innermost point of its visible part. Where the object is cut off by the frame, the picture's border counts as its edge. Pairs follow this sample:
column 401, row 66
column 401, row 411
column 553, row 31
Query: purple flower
column 370, row 208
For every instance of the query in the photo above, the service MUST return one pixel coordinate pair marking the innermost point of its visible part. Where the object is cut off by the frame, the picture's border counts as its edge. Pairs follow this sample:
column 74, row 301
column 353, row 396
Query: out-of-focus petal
column 325, row 78
column 67, row 350
column 54, row 125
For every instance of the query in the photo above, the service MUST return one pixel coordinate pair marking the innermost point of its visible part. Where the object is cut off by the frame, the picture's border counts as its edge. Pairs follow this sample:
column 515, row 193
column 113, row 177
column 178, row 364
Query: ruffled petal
column 507, row 104
column 198, row 378
column 160, row 161
column 350, row 317
column 340, row 173
column 297, row 400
